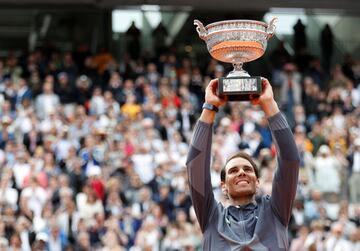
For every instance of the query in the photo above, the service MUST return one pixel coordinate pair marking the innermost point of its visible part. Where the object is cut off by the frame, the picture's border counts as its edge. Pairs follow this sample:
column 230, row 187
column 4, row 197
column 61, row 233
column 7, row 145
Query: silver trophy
column 237, row 42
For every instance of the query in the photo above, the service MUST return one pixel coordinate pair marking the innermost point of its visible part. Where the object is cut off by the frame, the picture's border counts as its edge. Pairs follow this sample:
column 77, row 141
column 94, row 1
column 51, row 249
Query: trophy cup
column 237, row 42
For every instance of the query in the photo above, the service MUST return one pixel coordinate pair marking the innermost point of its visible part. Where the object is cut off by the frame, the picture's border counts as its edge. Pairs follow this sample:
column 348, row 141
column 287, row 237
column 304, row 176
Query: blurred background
column 98, row 99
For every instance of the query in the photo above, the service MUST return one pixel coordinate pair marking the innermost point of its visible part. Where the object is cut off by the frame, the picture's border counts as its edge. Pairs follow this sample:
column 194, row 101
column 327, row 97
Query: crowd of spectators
column 93, row 150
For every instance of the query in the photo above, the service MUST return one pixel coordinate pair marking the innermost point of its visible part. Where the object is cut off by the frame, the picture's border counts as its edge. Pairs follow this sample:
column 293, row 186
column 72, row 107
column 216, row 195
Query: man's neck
column 242, row 201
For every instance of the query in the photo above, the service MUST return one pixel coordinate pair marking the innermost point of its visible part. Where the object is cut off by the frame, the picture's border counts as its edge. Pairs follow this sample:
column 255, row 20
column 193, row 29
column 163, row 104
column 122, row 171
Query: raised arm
column 199, row 158
column 286, row 175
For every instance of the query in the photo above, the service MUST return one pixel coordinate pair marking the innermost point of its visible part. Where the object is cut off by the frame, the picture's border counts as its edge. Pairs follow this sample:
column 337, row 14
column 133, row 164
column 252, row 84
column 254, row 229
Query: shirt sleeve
column 198, row 169
column 286, row 175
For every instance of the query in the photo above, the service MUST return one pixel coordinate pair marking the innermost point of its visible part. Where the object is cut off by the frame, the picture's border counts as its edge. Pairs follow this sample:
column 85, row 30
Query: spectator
column 313, row 205
column 35, row 196
column 300, row 38
column 83, row 90
column 7, row 132
column 326, row 167
column 47, row 101
column 97, row 102
column 27, row 235
column 65, row 89
column 148, row 237
column 23, row 92
column 130, row 109
column 316, row 239
column 298, row 244
column 15, row 243
column 89, row 204
column 83, row 242
column 355, row 172
column 3, row 244
column 290, row 89
column 111, row 242
column 133, row 46
column 336, row 240
column 9, row 196
column 40, row 242
column 67, row 220
column 327, row 46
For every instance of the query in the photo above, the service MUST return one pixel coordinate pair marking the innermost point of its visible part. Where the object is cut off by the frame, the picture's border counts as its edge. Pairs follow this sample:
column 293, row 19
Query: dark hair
column 243, row 155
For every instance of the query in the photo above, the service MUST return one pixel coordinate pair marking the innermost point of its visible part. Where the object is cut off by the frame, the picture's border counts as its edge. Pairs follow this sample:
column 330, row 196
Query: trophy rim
column 236, row 21
column 232, row 30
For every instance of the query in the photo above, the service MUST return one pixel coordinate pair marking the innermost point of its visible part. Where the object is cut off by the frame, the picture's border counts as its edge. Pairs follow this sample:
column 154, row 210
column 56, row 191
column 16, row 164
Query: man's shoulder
column 265, row 198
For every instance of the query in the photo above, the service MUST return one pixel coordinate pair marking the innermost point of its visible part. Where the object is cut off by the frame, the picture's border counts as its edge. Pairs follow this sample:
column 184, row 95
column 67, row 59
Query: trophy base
column 240, row 88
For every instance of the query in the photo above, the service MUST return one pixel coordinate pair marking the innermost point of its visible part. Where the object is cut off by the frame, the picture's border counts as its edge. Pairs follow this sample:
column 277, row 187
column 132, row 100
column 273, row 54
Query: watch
column 210, row 107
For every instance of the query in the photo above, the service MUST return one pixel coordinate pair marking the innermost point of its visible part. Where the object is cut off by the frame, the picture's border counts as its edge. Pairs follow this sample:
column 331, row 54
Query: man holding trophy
column 250, row 222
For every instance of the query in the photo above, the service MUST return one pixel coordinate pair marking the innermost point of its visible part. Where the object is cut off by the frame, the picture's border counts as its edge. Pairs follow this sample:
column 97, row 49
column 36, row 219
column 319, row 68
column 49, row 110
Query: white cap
column 4, row 242
column 225, row 121
column 324, row 149
column 42, row 237
column 93, row 170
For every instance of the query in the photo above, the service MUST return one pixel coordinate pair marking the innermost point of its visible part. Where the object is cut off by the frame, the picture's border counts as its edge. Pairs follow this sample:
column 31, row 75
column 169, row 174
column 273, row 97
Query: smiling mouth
column 242, row 182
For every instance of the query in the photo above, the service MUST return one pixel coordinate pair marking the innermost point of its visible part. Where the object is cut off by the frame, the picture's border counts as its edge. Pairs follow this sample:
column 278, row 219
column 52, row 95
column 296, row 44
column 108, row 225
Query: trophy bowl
column 237, row 42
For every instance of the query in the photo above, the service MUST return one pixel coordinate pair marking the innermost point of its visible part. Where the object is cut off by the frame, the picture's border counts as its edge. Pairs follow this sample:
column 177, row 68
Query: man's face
column 240, row 179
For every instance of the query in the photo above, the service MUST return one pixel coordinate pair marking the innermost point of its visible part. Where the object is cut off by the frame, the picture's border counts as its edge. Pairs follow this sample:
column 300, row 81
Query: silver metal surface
column 239, row 85
column 236, row 41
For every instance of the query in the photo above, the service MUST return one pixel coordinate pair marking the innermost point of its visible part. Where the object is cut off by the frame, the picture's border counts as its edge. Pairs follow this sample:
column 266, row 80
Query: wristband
column 210, row 107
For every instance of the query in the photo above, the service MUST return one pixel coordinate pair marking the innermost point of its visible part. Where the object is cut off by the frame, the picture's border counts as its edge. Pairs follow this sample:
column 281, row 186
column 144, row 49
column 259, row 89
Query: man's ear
column 224, row 188
column 257, row 183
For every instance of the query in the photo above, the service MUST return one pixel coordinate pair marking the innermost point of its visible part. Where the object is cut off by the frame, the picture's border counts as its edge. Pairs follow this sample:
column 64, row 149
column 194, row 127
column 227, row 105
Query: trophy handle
column 271, row 28
column 200, row 29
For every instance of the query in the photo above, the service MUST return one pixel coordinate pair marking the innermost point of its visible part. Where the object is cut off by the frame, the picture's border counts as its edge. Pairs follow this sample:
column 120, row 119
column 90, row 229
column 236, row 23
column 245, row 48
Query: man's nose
column 241, row 172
